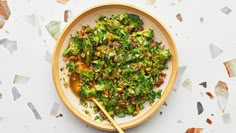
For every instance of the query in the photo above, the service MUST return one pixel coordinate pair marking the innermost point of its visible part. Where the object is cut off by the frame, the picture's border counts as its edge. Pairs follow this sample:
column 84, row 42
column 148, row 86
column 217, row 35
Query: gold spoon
column 75, row 86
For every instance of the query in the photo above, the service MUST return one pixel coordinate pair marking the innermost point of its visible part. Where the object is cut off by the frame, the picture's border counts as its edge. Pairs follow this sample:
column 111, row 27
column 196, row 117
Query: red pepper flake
column 179, row 17
column 208, row 121
column 60, row 115
column 194, row 130
column 210, row 95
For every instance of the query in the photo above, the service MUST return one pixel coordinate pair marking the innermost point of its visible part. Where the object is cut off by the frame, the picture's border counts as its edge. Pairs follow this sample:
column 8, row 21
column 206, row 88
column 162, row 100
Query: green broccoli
column 135, row 22
column 121, row 17
column 86, row 75
column 72, row 49
column 147, row 33
column 142, row 40
column 159, row 93
column 86, row 92
column 164, row 55
column 130, row 108
column 71, row 66
column 99, row 87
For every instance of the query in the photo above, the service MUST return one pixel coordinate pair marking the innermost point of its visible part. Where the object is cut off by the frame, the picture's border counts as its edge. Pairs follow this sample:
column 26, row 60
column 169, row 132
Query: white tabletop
column 204, row 26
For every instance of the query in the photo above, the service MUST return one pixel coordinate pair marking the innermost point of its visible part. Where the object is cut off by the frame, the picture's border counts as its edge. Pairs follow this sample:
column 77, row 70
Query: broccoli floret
column 147, row 33
column 86, row 92
column 99, row 87
column 122, row 18
column 142, row 40
column 130, row 108
column 135, row 22
column 102, row 18
column 86, row 75
column 159, row 92
column 164, row 55
column 72, row 49
column 71, row 66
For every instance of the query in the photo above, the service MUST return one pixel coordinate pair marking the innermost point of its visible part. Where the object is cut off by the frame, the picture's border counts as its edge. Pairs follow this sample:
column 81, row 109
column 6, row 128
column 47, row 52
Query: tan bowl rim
column 155, row 107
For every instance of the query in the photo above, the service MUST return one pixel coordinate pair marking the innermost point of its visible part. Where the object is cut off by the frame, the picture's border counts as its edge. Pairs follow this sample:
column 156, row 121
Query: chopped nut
column 140, row 64
column 106, row 94
column 110, row 37
column 73, row 57
column 135, row 113
column 160, row 82
column 65, row 59
column 98, row 54
column 148, row 69
column 163, row 73
column 119, row 89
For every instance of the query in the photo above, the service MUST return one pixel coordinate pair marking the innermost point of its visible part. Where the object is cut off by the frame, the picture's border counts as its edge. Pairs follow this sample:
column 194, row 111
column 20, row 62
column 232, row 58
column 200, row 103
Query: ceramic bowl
column 60, row 77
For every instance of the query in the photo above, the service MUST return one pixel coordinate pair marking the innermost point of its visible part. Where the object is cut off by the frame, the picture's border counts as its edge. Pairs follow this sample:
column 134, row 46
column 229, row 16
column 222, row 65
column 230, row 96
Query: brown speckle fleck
column 179, row 17
column 208, row 121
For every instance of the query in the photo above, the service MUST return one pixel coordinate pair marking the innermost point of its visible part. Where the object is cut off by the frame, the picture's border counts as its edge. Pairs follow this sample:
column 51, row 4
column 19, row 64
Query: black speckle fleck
column 60, row 115
column 204, row 84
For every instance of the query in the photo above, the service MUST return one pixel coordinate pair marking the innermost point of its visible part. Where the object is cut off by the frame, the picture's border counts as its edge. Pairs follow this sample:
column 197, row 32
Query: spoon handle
column 108, row 116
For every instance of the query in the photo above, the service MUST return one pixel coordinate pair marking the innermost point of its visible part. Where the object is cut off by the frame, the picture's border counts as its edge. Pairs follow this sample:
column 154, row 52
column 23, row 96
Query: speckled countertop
column 204, row 95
